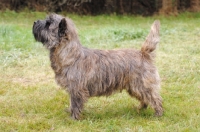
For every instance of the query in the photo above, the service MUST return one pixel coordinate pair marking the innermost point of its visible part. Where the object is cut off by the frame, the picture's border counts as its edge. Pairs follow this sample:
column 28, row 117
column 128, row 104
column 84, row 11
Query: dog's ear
column 62, row 28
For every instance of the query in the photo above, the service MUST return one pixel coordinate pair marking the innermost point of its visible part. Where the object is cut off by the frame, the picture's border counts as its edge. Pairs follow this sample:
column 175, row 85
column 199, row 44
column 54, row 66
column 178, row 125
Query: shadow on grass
column 113, row 112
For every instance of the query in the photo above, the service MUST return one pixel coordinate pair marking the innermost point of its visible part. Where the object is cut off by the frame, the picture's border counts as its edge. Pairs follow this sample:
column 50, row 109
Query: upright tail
column 152, row 39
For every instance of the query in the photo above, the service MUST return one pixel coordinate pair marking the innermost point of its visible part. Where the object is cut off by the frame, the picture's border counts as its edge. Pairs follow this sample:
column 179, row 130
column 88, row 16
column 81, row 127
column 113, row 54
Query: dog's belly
column 105, row 87
column 99, row 91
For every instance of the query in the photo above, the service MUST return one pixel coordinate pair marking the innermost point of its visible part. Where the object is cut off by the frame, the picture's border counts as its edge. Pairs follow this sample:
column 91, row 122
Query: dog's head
column 54, row 29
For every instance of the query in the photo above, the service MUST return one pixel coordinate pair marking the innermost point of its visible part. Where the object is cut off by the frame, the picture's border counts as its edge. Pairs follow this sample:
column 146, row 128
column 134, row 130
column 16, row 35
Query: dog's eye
column 47, row 24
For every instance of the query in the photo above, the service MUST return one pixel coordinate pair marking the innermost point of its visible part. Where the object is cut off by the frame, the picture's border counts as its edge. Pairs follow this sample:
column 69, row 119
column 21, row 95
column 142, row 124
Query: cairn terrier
column 85, row 72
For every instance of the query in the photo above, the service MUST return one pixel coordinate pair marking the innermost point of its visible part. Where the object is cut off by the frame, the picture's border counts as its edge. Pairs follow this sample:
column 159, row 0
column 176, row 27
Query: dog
column 85, row 72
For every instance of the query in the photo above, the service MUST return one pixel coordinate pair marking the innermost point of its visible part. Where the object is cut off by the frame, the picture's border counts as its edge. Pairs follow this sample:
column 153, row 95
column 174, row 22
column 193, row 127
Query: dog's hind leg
column 150, row 90
column 138, row 96
column 149, row 98
column 155, row 101
column 136, row 90
column 146, row 96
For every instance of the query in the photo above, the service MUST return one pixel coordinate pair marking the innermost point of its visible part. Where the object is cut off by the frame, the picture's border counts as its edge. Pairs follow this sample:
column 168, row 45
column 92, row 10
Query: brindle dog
column 85, row 72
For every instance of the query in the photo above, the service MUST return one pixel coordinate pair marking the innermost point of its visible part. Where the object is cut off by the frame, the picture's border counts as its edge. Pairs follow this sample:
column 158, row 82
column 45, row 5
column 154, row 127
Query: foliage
column 141, row 7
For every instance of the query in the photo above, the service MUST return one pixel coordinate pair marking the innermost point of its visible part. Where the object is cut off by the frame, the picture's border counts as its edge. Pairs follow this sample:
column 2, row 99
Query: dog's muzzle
column 38, row 26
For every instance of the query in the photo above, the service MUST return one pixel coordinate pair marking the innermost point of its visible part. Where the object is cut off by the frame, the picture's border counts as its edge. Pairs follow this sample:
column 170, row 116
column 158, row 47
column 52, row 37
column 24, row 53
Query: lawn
column 30, row 100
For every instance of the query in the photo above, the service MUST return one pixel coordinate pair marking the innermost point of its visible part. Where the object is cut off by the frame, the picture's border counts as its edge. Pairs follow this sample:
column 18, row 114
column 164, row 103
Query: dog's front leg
column 77, row 100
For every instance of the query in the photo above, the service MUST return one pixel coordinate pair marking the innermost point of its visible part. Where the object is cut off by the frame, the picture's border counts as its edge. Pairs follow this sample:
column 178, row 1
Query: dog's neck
column 59, row 58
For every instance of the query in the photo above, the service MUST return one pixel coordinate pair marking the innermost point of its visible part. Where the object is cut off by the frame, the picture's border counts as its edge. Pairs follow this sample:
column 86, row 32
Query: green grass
column 30, row 100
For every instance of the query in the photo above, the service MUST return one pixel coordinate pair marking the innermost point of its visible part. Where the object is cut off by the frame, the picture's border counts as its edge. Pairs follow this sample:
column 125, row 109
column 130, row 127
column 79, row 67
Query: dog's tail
column 152, row 39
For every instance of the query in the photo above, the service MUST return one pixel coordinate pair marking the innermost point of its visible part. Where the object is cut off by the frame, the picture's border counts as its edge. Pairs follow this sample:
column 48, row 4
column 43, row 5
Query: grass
column 30, row 100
